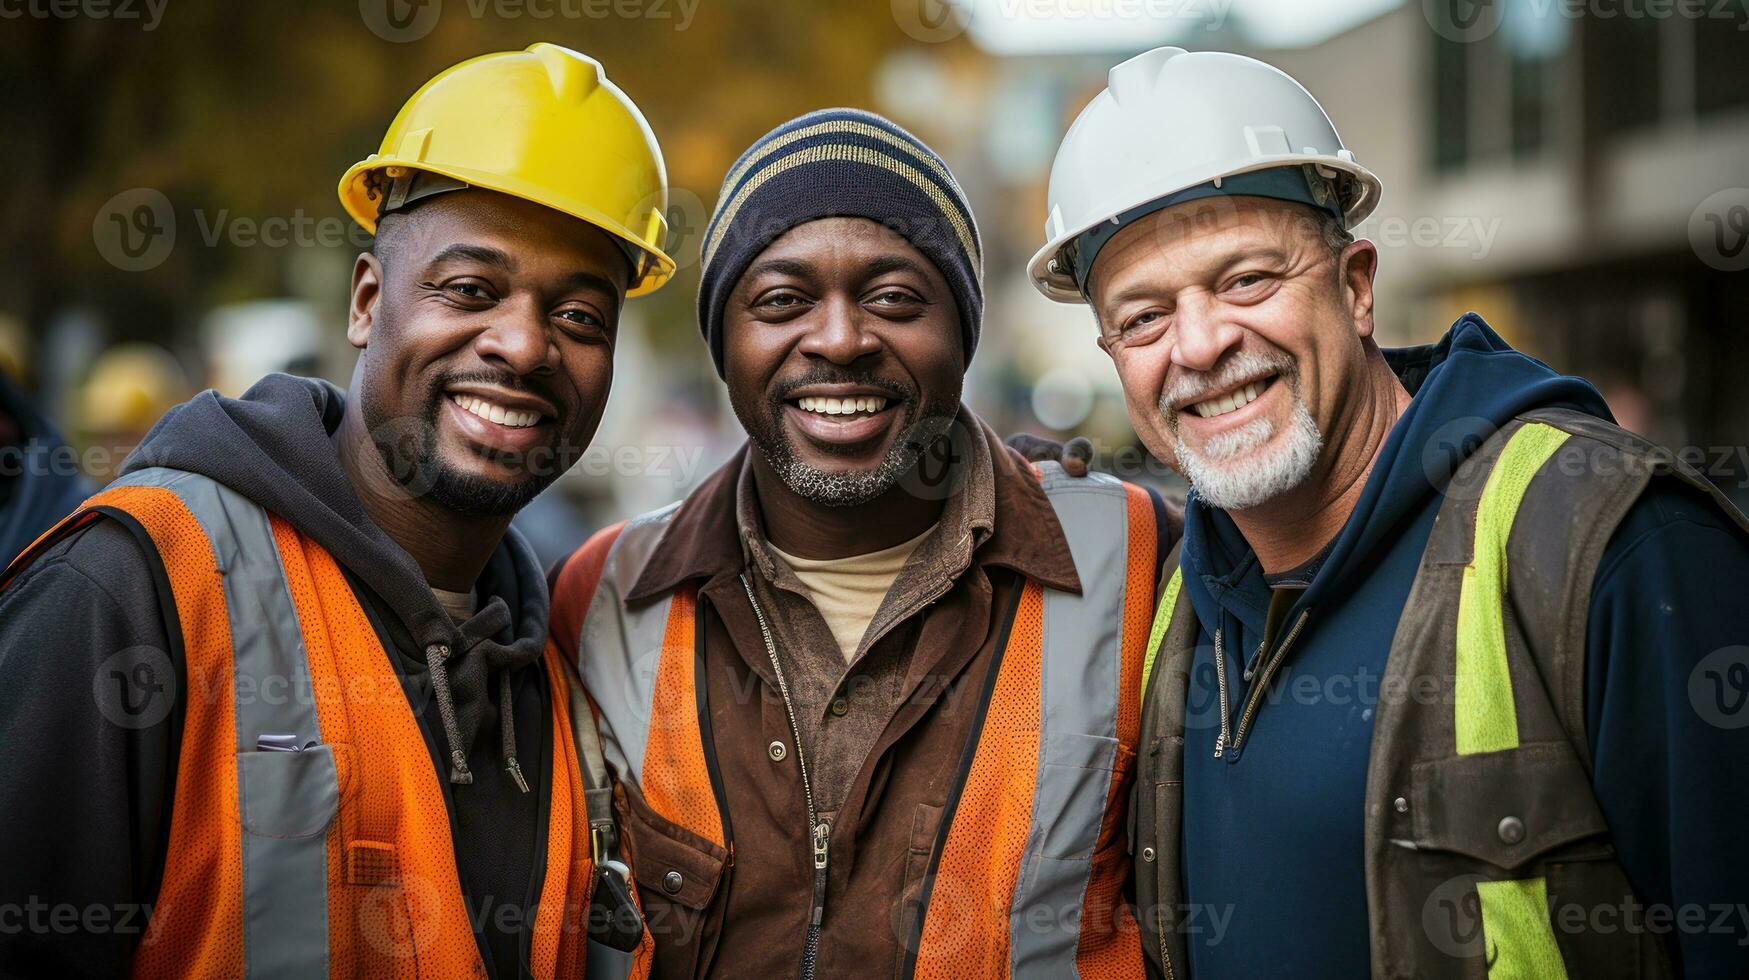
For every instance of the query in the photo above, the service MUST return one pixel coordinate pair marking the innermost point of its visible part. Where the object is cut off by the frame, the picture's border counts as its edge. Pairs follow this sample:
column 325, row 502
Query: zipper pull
column 822, row 844
column 1251, row 665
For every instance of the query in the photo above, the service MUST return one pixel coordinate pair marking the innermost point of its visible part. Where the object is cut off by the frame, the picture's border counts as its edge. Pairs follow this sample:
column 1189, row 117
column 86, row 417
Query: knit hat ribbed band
column 840, row 163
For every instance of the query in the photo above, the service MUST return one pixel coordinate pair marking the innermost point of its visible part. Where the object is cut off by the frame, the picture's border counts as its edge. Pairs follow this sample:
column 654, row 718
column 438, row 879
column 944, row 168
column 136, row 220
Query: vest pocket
column 1506, row 808
column 678, row 874
column 1512, row 862
column 288, row 795
column 1074, row 782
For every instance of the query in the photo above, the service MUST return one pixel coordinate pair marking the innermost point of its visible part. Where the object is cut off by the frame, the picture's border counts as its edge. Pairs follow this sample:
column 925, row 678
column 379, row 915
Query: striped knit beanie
column 839, row 163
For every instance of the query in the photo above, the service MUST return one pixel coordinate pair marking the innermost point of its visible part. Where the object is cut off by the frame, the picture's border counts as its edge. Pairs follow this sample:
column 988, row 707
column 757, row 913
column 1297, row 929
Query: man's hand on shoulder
column 1076, row 455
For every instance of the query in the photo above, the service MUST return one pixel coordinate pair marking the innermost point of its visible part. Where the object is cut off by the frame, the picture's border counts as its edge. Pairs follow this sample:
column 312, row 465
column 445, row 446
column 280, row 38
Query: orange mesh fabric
column 677, row 783
column 965, row 928
column 414, row 923
column 60, row 529
column 556, row 948
column 1110, row 943
column 197, row 926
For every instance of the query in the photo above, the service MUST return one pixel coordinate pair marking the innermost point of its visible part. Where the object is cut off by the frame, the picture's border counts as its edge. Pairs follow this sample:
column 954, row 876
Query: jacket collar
column 1017, row 529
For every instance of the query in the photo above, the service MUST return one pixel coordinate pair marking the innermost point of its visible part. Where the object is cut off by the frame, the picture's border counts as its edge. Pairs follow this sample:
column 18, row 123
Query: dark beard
column 919, row 427
column 408, row 448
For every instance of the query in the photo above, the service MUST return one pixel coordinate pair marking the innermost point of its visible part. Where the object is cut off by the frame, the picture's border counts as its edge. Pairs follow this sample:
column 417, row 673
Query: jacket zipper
column 1160, row 927
column 1254, row 697
column 820, row 830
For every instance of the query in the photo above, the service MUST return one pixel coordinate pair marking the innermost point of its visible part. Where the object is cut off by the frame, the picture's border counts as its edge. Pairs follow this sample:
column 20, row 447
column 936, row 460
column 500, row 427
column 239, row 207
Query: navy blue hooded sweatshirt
column 40, row 480
column 1273, row 855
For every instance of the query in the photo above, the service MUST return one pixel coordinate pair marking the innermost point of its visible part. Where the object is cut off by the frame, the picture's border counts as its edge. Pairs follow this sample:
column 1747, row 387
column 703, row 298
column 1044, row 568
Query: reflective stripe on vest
column 1486, row 717
column 336, row 858
column 638, row 667
column 1162, row 623
column 285, row 799
column 1515, row 917
column 1056, row 742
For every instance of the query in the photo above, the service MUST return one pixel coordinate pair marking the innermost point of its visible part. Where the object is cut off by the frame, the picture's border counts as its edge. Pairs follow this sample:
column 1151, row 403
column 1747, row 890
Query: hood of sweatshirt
column 46, row 484
column 1463, row 388
column 275, row 445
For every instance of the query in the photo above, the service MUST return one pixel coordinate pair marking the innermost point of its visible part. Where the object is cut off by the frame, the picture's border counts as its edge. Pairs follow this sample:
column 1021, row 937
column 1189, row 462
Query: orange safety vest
column 335, row 858
column 1026, row 877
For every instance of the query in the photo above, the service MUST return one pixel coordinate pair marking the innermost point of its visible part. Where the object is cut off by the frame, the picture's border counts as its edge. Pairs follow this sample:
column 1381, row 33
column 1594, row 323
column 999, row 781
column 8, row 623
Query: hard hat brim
column 363, row 209
column 1060, row 285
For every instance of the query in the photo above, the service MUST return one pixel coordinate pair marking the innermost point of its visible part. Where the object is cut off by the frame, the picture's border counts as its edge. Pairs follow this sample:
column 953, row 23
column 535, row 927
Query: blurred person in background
column 129, row 387
column 40, row 479
column 870, row 691
column 277, row 697
column 1534, row 774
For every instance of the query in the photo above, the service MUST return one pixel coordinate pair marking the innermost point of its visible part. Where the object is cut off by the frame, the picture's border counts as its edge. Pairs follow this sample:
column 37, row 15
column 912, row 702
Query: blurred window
column 1451, row 103
column 1622, row 57
column 1536, row 38
column 1722, row 60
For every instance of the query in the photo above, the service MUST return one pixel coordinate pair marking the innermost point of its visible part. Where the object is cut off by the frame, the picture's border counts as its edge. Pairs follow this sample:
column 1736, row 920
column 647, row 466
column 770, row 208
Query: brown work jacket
column 886, row 737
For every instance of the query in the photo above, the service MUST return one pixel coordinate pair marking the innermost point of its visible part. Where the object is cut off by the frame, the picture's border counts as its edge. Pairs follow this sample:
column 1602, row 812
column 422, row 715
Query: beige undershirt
column 848, row 591
column 459, row 605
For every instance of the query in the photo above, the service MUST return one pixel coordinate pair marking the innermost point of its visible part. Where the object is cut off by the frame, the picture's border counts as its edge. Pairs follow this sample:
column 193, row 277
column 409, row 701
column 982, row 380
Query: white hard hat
column 1173, row 126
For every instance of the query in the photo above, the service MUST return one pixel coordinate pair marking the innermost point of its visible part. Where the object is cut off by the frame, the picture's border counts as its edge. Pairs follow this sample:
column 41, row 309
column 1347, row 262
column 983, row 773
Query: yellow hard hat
column 129, row 386
column 544, row 125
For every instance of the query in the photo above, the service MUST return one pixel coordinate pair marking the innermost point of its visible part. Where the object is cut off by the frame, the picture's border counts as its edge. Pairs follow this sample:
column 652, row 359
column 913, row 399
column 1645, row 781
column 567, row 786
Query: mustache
column 1243, row 365
column 895, row 390
column 500, row 379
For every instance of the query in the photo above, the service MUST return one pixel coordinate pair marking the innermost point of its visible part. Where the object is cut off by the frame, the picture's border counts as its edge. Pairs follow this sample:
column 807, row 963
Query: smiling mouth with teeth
column 1232, row 401
column 859, row 405
column 507, row 417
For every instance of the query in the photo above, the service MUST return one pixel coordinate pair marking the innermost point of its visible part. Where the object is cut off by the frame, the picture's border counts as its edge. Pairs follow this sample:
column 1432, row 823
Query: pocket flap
column 1506, row 808
column 660, row 850
column 288, row 795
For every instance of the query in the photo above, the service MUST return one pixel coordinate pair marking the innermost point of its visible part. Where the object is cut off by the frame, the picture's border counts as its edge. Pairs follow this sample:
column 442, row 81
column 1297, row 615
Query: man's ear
column 367, row 289
column 1359, row 263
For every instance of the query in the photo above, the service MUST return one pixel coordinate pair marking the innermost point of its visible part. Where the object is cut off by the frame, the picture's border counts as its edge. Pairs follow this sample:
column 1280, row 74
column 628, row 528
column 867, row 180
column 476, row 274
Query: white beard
column 1227, row 472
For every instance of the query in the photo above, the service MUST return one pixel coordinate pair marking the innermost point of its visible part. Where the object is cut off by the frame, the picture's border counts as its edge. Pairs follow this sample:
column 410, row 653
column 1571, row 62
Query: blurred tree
column 252, row 111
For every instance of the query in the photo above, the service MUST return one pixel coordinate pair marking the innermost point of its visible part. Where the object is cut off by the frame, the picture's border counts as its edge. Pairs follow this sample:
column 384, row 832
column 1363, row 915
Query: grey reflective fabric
column 1082, row 662
column 286, row 799
column 620, row 648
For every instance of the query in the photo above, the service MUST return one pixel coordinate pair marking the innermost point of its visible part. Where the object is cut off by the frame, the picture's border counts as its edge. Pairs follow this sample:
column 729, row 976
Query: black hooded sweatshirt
column 85, row 803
